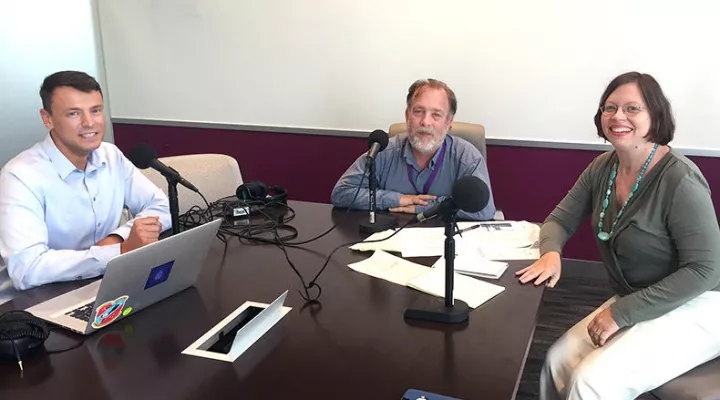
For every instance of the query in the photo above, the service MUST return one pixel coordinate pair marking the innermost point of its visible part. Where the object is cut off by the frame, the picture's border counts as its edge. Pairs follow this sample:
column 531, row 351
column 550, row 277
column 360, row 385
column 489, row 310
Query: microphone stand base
column 433, row 309
column 382, row 223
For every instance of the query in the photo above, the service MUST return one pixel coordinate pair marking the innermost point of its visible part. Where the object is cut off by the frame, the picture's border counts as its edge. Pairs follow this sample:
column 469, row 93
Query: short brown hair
column 433, row 84
column 74, row 79
column 662, row 123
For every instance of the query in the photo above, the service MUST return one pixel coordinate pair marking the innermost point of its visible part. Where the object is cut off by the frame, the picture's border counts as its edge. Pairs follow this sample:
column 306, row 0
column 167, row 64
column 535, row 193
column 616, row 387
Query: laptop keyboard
column 82, row 313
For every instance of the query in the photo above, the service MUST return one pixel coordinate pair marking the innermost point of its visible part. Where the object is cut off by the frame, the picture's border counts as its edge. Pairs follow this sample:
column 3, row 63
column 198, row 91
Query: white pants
column 636, row 359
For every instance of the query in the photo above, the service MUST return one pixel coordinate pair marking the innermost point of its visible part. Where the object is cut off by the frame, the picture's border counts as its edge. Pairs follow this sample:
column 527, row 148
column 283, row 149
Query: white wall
column 37, row 38
column 527, row 69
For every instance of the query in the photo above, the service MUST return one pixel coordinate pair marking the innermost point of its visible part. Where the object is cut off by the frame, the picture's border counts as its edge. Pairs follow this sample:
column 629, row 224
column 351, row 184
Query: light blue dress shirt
column 461, row 159
column 52, row 214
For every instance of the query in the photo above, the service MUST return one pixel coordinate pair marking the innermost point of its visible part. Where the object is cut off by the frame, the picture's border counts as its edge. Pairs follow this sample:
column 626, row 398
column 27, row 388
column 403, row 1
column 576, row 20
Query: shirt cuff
column 621, row 318
column 122, row 231
column 105, row 253
column 388, row 199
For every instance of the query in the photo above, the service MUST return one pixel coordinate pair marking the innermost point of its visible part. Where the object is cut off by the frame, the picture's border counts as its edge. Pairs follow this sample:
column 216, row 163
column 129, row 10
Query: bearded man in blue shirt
column 61, row 201
column 418, row 169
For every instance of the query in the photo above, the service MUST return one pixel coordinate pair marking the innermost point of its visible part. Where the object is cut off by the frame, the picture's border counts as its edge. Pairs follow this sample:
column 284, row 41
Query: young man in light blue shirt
column 61, row 201
column 418, row 169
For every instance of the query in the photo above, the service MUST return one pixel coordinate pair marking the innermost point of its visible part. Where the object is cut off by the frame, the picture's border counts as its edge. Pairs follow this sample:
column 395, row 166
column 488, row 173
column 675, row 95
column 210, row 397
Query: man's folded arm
column 347, row 186
column 143, row 199
column 24, row 242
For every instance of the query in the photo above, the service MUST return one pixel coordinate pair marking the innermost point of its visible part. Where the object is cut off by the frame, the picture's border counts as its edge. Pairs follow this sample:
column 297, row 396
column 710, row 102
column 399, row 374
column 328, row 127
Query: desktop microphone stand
column 174, row 207
column 433, row 309
column 377, row 222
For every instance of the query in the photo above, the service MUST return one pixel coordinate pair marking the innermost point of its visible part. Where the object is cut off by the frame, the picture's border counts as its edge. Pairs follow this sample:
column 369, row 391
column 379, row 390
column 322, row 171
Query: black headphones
column 22, row 335
column 256, row 191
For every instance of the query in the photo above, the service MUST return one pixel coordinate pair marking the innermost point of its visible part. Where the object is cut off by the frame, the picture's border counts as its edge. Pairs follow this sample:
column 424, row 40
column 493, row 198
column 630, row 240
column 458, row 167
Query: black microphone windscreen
column 380, row 137
column 141, row 155
column 470, row 194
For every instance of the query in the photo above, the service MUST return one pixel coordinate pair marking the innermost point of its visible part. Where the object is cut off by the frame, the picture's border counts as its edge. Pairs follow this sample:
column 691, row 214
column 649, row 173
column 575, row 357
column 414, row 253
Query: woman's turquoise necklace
column 605, row 236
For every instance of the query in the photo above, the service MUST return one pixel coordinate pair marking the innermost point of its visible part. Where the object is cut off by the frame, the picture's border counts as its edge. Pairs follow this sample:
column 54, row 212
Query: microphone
column 144, row 156
column 377, row 142
column 469, row 194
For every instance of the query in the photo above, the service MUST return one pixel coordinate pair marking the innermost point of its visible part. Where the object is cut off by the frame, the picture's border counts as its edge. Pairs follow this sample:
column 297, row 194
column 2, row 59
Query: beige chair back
column 215, row 175
column 473, row 133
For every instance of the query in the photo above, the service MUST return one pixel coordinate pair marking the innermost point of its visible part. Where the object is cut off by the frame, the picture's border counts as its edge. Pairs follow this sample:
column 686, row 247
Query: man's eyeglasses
column 630, row 109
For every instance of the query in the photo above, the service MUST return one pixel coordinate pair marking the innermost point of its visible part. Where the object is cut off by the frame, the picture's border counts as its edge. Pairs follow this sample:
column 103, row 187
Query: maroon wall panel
column 527, row 182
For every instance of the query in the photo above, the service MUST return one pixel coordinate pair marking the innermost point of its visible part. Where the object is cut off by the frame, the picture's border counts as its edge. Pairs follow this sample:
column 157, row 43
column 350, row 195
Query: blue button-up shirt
column 461, row 159
column 52, row 214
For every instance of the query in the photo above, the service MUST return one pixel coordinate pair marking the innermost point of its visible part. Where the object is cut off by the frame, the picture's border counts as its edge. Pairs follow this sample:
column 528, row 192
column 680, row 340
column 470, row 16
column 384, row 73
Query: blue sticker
column 159, row 274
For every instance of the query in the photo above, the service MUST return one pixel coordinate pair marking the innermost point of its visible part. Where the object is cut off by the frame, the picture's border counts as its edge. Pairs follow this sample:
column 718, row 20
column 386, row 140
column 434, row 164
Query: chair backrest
column 473, row 133
column 215, row 175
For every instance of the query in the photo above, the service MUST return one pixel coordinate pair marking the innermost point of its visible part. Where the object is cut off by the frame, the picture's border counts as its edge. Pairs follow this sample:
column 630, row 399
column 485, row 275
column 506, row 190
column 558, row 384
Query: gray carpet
column 577, row 294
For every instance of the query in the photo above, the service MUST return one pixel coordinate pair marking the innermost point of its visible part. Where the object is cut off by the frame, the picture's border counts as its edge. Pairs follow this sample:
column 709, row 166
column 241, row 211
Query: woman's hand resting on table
column 547, row 267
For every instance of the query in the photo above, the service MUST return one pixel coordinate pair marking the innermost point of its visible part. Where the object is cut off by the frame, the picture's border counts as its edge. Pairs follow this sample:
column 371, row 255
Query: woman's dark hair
column 662, row 125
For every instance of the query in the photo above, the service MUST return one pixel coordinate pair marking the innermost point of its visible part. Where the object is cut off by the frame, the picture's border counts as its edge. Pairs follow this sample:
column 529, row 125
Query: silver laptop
column 132, row 281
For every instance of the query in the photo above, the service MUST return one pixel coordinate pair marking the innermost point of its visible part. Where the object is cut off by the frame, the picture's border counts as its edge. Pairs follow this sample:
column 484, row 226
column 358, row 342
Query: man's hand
column 409, row 201
column 144, row 231
column 602, row 327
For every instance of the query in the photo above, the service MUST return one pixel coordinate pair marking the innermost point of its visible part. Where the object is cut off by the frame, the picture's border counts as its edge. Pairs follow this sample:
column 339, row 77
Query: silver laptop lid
column 144, row 276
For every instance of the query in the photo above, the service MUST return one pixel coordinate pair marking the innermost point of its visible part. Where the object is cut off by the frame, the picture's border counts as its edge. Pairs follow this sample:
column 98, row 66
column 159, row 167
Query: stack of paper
column 376, row 242
column 429, row 280
column 473, row 264
column 390, row 268
column 496, row 240
column 470, row 290
column 509, row 253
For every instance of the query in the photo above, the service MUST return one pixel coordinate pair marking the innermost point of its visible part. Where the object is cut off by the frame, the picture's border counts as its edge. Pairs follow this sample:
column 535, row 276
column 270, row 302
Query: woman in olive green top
column 658, row 236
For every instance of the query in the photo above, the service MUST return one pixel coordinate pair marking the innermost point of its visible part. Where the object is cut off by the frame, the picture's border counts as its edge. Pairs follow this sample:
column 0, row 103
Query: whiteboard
column 526, row 69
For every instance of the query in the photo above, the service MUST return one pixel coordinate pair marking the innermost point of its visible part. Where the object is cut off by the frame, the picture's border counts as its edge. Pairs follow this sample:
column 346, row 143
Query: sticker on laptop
column 159, row 274
column 109, row 312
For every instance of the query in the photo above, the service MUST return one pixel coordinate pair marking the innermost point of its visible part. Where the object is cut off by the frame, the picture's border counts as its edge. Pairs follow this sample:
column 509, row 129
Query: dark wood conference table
column 354, row 344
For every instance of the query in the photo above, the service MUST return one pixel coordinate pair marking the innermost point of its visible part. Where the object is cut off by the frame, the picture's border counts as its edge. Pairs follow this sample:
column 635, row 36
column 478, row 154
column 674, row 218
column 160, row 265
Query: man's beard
column 429, row 144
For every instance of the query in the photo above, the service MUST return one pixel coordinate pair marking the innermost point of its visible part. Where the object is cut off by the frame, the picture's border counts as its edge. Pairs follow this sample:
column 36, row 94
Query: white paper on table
column 507, row 254
column 470, row 262
column 511, row 234
column 390, row 268
column 430, row 242
column 411, row 242
column 423, row 242
column 393, row 244
column 470, row 290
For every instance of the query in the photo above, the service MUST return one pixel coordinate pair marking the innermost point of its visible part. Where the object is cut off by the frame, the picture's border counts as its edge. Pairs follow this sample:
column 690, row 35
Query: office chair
column 473, row 133
column 215, row 175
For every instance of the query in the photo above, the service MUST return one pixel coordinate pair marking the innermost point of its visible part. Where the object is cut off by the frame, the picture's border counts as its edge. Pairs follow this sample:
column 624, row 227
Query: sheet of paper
column 512, row 234
column 390, row 268
column 423, row 242
column 507, row 253
column 430, row 242
column 393, row 244
column 470, row 262
column 470, row 290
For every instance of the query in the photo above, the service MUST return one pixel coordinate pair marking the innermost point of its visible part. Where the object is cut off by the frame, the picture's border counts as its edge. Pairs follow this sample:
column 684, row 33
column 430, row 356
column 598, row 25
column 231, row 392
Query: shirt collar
column 410, row 158
column 61, row 163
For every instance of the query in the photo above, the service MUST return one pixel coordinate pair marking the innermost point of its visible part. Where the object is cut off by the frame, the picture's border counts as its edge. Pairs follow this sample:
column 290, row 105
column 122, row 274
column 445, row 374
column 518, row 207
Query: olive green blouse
column 665, row 249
